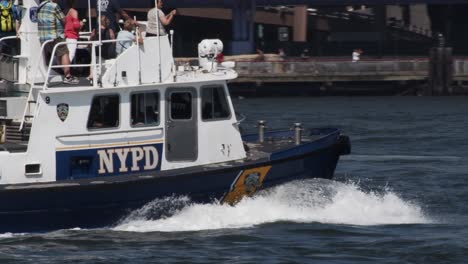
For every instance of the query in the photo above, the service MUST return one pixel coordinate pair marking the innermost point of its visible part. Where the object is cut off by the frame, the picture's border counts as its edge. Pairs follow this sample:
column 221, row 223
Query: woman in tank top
column 156, row 16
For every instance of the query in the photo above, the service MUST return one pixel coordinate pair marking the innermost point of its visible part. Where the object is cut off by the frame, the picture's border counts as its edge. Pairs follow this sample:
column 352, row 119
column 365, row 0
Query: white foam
column 301, row 201
column 10, row 235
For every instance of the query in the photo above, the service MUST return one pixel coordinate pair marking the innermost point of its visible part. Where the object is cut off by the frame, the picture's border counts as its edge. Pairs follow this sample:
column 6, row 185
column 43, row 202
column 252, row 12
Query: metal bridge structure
column 243, row 12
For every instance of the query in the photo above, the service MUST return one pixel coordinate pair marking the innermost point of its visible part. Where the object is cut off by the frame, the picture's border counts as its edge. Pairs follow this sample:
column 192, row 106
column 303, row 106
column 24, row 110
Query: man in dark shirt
column 109, row 8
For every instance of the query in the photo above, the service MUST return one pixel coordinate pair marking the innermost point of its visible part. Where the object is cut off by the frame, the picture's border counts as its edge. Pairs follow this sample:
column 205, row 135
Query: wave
column 10, row 235
column 307, row 201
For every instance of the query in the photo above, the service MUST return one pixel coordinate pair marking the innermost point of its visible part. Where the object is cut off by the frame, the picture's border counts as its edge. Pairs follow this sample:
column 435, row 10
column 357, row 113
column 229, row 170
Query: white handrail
column 38, row 61
column 89, row 16
column 158, row 28
column 9, row 37
column 137, row 35
column 33, row 83
column 26, row 109
column 173, row 67
column 93, row 60
column 100, row 44
column 51, row 66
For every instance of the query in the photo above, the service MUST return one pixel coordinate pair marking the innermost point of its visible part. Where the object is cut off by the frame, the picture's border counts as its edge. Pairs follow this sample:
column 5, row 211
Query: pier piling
column 440, row 70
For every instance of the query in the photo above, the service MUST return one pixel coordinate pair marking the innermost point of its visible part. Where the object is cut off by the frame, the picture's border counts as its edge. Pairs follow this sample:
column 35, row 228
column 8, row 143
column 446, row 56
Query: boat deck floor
column 258, row 150
column 82, row 82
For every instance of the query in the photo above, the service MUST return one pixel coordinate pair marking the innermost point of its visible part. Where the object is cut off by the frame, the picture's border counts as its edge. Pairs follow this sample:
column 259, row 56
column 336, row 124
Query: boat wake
column 6, row 235
column 305, row 201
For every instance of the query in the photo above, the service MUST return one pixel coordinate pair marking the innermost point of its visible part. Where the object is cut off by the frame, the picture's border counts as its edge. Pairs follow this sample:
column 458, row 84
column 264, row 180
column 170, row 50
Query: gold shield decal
column 246, row 184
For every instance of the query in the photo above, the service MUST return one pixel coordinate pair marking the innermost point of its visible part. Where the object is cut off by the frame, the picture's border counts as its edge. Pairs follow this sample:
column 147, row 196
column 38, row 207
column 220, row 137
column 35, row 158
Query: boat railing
column 240, row 118
column 96, row 72
column 8, row 64
column 41, row 53
column 5, row 38
column 31, row 91
column 59, row 137
column 9, row 37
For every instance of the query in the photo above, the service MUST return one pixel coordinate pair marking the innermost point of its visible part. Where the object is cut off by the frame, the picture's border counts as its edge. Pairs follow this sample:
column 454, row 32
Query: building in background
column 392, row 30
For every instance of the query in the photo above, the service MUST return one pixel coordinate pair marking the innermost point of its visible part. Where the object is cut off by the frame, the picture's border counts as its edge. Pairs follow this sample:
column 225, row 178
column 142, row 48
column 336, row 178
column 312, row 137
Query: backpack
column 6, row 18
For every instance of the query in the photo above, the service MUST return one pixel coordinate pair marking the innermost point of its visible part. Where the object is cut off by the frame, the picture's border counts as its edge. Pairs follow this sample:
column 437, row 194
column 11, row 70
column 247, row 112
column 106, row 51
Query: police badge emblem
column 62, row 111
column 252, row 182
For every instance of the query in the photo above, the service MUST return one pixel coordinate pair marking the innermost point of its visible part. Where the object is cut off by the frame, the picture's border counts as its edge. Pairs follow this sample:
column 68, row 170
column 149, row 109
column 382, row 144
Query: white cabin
column 145, row 114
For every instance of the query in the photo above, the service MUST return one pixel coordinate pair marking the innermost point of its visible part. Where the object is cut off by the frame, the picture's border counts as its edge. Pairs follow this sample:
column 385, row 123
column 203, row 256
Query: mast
column 89, row 16
column 137, row 35
column 100, row 42
column 159, row 39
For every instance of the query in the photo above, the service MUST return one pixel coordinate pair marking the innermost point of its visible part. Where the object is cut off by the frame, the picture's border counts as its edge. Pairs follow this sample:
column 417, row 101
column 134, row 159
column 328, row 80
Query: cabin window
column 104, row 112
column 145, row 109
column 181, row 105
column 214, row 103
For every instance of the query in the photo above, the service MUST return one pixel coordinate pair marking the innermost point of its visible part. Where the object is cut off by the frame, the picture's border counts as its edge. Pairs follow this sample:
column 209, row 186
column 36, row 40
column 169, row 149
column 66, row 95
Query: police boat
column 87, row 155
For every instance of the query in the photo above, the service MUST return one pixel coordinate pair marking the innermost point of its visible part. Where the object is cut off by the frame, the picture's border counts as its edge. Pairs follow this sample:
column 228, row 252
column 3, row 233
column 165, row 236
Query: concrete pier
column 327, row 72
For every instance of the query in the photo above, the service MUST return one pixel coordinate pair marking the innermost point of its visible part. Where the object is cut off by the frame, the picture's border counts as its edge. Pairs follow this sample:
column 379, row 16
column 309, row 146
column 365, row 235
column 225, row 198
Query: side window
column 104, row 112
column 181, row 105
column 214, row 103
column 145, row 109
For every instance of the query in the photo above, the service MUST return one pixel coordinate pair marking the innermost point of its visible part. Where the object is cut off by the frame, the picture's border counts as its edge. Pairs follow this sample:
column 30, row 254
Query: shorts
column 60, row 51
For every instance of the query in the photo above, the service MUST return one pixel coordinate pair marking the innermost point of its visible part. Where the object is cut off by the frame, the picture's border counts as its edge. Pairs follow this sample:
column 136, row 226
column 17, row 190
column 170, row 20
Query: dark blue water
column 401, row 197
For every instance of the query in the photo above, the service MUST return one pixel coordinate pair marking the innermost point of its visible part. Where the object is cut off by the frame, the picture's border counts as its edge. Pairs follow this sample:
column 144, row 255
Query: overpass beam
column 243, row 18
column 300, row 24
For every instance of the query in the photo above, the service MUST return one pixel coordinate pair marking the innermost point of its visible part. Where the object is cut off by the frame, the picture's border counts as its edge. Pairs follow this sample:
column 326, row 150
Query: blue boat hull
column 88, row 204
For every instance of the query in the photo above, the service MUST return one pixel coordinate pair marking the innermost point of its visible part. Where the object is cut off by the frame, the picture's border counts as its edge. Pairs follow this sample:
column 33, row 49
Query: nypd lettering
column 139, row 158
column 111, row 161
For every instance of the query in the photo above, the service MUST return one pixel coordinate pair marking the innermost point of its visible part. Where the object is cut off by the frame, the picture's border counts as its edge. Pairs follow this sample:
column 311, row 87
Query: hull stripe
column 90, row 146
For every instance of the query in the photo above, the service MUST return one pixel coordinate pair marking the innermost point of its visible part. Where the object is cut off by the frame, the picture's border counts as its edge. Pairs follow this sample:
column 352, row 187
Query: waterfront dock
column 332, row 70
column 404, row 74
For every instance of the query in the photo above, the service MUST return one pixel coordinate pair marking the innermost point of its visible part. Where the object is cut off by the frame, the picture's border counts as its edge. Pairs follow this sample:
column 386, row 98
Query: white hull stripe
column 119, row 144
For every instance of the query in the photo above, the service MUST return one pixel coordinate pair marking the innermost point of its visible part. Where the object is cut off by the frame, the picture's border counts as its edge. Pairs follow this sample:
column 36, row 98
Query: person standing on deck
column 109, row 8
column 50, row 20
column 107, row 49
column 10, row 18
column 156, row 16
column 72, row 28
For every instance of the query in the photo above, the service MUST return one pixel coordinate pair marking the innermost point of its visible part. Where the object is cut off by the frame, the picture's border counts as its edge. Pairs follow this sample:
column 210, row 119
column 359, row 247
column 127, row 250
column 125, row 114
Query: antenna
column 100, row 42
column 158, row 25
column 137, row 35
column 173, row 68
column 89, row 15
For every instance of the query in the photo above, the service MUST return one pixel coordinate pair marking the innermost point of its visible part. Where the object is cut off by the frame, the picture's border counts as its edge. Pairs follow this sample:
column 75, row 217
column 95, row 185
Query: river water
column 400, row 197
